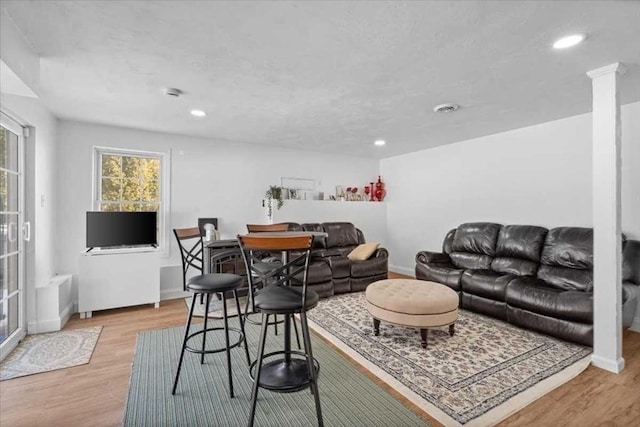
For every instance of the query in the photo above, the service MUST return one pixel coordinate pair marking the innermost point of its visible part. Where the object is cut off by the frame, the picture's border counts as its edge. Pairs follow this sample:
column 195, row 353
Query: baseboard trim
column 402, row 270
column 173, row 294
column 66, row 314
column 51, row 325
column 615, row 366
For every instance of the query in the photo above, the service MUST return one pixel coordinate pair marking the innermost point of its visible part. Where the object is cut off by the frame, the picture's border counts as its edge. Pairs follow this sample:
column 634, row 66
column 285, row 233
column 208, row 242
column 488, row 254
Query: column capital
column 616, row 67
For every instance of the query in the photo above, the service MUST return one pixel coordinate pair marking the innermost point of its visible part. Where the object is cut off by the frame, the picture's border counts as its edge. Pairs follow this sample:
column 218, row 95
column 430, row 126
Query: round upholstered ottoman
column 415, row 303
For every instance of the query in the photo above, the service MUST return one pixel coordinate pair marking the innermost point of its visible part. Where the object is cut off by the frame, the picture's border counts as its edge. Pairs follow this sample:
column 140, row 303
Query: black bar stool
column 207, row 285
column 284, row 371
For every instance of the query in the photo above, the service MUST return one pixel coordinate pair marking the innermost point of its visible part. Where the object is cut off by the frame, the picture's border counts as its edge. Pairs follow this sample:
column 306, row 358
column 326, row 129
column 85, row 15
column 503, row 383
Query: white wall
column 40, row 173
column 536, row 175
column 209, row 178
column 40, row 163
column 631, row 170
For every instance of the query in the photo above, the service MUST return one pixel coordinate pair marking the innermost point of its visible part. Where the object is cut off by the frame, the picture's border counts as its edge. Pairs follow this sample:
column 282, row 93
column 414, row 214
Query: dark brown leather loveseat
column 530, row 276
column 330, row 271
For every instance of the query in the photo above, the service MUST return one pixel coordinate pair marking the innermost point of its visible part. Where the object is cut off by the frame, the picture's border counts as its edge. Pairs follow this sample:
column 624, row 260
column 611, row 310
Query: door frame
column 15, row 337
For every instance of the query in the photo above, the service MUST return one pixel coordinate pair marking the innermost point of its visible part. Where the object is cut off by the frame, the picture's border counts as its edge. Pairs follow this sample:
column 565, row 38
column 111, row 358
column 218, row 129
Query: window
column 131, row 181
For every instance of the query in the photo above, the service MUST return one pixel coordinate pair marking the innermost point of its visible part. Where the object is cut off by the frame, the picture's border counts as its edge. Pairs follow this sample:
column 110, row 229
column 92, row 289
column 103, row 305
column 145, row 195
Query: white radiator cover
column 54, row 306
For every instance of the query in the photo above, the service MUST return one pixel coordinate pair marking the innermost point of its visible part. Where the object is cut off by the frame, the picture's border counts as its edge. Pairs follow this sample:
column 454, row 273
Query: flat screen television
column 117, row 229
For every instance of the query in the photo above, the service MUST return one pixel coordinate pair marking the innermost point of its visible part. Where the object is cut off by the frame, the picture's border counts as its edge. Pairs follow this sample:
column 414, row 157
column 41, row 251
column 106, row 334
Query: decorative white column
column 607, row 245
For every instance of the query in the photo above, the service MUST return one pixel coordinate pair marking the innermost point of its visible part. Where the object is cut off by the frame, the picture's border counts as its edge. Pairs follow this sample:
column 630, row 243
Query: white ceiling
column 326, row 76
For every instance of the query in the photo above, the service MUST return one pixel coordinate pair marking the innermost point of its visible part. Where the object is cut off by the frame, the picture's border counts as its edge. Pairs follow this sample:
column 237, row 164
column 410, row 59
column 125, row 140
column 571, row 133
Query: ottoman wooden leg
column 376, row 326
column 424, row 333
column 452, row 329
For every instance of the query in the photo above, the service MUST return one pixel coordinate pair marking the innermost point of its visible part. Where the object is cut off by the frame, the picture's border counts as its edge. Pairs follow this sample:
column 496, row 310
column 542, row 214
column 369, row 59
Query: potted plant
column 273, row 194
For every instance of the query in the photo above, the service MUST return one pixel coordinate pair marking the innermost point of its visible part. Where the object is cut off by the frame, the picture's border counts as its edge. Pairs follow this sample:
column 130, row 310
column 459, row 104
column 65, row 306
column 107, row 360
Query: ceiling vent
column 171, row 91
column 446, row 108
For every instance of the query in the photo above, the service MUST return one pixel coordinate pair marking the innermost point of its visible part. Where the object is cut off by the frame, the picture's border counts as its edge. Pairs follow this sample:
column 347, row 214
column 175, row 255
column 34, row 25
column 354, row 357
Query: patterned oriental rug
column 487, row 371
column 48, row 352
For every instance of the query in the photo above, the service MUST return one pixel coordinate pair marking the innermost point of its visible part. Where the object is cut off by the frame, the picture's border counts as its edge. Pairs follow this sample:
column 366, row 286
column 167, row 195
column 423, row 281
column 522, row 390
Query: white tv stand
column 113, row 279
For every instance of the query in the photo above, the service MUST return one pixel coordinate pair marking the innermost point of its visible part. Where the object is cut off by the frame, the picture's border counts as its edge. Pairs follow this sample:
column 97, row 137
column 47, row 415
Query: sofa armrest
column 381, row 253
column 426, row 257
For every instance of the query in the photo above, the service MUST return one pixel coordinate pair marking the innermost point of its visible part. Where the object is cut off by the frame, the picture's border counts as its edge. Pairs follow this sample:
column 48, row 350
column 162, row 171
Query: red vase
column 380, row 191
column 373, row 193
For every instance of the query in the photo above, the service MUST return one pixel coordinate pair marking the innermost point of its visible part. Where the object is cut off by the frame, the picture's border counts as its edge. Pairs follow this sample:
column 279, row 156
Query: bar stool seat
column 282, row 299
column 215, row 282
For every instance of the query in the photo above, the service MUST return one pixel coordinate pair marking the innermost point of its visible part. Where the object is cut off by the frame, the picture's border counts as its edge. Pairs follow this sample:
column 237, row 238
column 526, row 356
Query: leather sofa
column 530, row 276
column 330, row 271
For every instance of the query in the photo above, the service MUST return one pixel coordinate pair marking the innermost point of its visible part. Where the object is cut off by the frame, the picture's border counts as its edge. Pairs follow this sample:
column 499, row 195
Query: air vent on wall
column 445, row 108
column 171, row 91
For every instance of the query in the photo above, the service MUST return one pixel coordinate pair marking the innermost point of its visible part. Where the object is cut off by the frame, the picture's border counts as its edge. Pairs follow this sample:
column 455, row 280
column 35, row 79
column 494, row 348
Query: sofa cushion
column 293, row 226
column 363, row 252
column 570, row 247
column 518, row 249
column 476, row 238
column 325, row 253
column 370, row 267
column 534, row 295
column 445, row 273
column 569, row 279
column 567, row 259
column 340, row 266
column 517, row 266
column 486, row 283
column 342, row 250
column 580, row 333
column 520, row 241
column 467, row 260
column 483, row 305
column 340, row 234
column 319, row 272
column 318, row 242
column 448, row 241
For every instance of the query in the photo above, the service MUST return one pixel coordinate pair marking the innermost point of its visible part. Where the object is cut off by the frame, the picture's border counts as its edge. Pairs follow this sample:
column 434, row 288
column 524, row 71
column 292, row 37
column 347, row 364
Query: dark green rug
column 348, row 397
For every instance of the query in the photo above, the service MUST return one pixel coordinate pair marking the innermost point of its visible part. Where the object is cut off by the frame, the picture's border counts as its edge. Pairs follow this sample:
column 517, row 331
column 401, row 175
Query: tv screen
column 110, row 229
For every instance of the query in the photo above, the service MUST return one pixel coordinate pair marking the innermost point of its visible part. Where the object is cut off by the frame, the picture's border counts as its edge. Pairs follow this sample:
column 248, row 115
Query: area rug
column 348, row 397
column 48, row 352
column 487, row 371
column 215, row 307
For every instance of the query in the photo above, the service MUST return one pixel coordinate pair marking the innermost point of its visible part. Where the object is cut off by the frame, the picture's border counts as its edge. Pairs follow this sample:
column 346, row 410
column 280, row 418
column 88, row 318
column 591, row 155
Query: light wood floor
column 95, row 394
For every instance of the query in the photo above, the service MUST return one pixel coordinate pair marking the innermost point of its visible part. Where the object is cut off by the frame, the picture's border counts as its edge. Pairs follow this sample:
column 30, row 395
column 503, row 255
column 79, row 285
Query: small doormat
column 49, row 352
column 215, row 307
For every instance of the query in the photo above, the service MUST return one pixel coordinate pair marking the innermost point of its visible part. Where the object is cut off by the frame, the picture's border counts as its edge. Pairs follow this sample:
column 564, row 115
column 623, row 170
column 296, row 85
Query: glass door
column 12, row 300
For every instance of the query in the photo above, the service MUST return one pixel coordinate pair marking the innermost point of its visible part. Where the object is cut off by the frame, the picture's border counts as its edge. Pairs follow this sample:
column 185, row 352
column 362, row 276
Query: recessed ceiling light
column 569, row 41
column 445, row 108
column 198, row 113
column 379, row 142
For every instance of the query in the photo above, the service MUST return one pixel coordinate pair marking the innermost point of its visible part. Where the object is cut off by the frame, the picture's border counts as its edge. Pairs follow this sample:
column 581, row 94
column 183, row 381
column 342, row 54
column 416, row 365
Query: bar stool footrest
column 259, row 322
column 216, row 350
column 281, row 376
